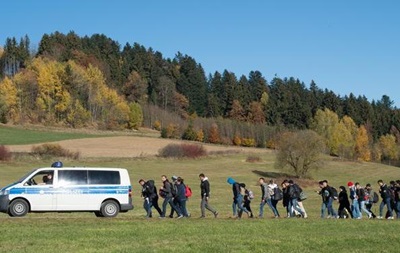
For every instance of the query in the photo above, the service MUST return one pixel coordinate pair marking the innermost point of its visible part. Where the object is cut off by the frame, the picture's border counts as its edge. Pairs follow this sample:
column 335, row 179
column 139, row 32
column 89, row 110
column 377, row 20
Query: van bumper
column 4, row 203
column 127, row 207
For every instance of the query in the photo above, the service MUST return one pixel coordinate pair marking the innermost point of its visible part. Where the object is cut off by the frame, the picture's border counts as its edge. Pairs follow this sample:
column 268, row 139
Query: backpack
column 375, row 198
column 250, row 194
column 278, row 194
column 334, row 193
column 188, row 191
column 173, row 189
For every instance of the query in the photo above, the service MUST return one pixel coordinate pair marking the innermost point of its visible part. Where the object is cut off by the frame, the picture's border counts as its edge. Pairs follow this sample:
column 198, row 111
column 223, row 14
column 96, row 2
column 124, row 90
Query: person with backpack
column 355, row 206
column 248, row 196
column 266, row 197
column 276, row 196
column 372, row 198
column 361, row 200
column 294, row 191
column 166, row 193
column 181, row 196
column 386, row 199
column 327, row 199
column 174, row 193
column 205, row 196
column 344, row 209
column 238, row 193
column 285, row 197
column 150, row 197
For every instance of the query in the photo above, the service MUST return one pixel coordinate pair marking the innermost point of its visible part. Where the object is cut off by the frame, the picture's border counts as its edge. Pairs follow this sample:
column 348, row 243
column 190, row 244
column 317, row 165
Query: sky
column 344, row 46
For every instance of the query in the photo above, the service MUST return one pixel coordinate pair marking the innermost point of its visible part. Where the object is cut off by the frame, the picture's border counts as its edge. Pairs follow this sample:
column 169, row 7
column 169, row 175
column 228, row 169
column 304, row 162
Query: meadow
column 131, row 232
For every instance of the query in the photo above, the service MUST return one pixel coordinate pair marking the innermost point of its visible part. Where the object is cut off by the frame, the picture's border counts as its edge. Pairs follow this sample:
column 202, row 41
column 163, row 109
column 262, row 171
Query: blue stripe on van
column 72, row 190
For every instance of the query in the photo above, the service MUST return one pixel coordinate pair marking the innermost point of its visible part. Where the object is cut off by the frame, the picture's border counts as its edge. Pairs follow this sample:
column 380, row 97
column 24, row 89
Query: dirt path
column 126, row 146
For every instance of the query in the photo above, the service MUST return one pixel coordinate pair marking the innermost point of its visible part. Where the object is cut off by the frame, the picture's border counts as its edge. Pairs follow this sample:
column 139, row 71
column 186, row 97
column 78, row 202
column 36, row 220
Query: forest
column 93, row 81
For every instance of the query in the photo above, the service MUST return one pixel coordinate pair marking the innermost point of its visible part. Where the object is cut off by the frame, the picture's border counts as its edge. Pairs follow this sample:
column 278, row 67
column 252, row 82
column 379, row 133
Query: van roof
column 79, row 168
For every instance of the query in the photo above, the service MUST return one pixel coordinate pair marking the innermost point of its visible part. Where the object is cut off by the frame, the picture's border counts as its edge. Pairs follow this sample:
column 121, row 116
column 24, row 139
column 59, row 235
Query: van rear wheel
column 18, row 208
column 109, row 208
column 98, row 214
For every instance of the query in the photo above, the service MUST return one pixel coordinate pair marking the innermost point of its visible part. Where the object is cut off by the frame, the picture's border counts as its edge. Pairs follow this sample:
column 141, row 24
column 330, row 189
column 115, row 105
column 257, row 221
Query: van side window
column 104, row 177
column 72, row 177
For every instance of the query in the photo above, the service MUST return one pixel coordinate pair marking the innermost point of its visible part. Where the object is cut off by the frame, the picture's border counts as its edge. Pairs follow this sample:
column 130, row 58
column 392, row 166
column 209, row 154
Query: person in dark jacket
column 238, row 193
column 397, row 198
column 168, row 198
column 361, row 199
column 386, row 199
column 173, row 191
column 205, row 196
column 327, row 199
column 181, row 196
column 150, row 197
column 286, row 198
column 294, row 194
column 344, row 209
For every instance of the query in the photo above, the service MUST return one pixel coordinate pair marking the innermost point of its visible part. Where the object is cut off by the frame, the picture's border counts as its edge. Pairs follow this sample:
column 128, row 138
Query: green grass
column 19, row 136
column 131, row 232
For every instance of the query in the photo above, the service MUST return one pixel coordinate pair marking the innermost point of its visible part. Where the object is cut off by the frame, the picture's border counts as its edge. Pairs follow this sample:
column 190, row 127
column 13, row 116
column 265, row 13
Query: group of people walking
column 360, row 200
column 175, row 194
column 353, row 201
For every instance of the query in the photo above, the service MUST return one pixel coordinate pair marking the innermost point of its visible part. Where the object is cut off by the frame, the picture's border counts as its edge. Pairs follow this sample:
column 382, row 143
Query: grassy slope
column 130, row 232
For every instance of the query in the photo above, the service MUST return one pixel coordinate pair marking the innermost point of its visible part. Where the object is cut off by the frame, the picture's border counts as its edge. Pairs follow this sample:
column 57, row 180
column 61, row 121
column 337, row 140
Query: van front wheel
column 109, row 208
column 18, row 208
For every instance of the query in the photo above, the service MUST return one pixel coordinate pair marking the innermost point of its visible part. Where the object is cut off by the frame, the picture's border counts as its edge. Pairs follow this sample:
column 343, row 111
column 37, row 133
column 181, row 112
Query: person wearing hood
column 174, row 191
column 205, row 196
column 344, row 204
column 238, row 193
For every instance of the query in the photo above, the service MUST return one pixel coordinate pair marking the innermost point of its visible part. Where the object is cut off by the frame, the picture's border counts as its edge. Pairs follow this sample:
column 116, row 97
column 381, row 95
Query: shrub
column 164, row 133
column 5, row 154
column 213, row 134
column 237, row 141
column 248, row 142
column 200, row 135
column 173, row 131
column 157, row 125
column 189, row 133
column 182, row 150
column 253, row 159
column 48, row 149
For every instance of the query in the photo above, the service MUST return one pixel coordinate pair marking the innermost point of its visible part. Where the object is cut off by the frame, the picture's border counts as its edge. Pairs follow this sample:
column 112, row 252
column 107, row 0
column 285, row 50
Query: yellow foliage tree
column 389, row 147
column 362, row 150
column 8, row 94
column 325, row 124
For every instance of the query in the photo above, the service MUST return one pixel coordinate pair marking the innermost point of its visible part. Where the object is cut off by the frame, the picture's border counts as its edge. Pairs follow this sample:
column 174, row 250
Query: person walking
column 266, row 197
column 150, row 197
column 361, row 200
column 205, row 196
column 355, row 205
column 181, row 196
column 166, row 191
column 294, row 194
column 238, row 193
column 344, row 209
column 370, row 193
column 327, row 199
column 386, row 200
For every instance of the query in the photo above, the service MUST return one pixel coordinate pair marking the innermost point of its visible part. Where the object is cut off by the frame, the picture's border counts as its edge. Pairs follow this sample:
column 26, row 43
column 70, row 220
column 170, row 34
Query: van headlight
column 4, row 192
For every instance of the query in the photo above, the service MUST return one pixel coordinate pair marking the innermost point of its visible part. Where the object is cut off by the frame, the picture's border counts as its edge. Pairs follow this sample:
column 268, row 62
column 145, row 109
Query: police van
column 103, row 191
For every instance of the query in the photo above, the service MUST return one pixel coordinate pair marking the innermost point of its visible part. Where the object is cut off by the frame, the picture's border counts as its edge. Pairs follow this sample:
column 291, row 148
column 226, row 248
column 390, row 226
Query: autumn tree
column 389, row 148
column 135, row 116
column 8, row 96
column 362, row 150
column 300, row 152
column 237, row 112
column 256, row 114
column 213, row 134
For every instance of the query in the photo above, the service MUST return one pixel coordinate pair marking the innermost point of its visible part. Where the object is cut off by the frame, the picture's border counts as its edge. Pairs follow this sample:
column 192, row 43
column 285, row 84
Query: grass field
column 18, row 136
column 131, row 232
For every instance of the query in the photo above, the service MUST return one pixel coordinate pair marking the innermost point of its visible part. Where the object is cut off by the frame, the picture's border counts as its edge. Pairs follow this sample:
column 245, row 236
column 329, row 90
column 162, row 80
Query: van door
column 40, row 192
column 72, row 193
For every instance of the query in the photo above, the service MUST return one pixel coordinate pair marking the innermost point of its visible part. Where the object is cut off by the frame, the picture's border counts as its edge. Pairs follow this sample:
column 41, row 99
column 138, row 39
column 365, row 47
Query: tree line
column 93, row 80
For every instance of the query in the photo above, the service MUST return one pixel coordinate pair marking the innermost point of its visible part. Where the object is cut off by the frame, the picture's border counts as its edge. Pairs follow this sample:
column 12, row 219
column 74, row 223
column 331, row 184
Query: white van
column 104, row 191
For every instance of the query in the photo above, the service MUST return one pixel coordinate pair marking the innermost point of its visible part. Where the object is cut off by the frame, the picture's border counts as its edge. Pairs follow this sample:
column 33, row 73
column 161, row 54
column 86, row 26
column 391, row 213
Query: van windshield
column 25, row 176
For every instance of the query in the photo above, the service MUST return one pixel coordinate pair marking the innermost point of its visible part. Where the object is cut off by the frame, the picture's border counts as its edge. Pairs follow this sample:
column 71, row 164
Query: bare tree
column 300, row 152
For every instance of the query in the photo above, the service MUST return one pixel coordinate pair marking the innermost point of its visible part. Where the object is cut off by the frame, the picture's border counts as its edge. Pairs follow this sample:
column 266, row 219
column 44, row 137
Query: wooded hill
column 94, row 81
